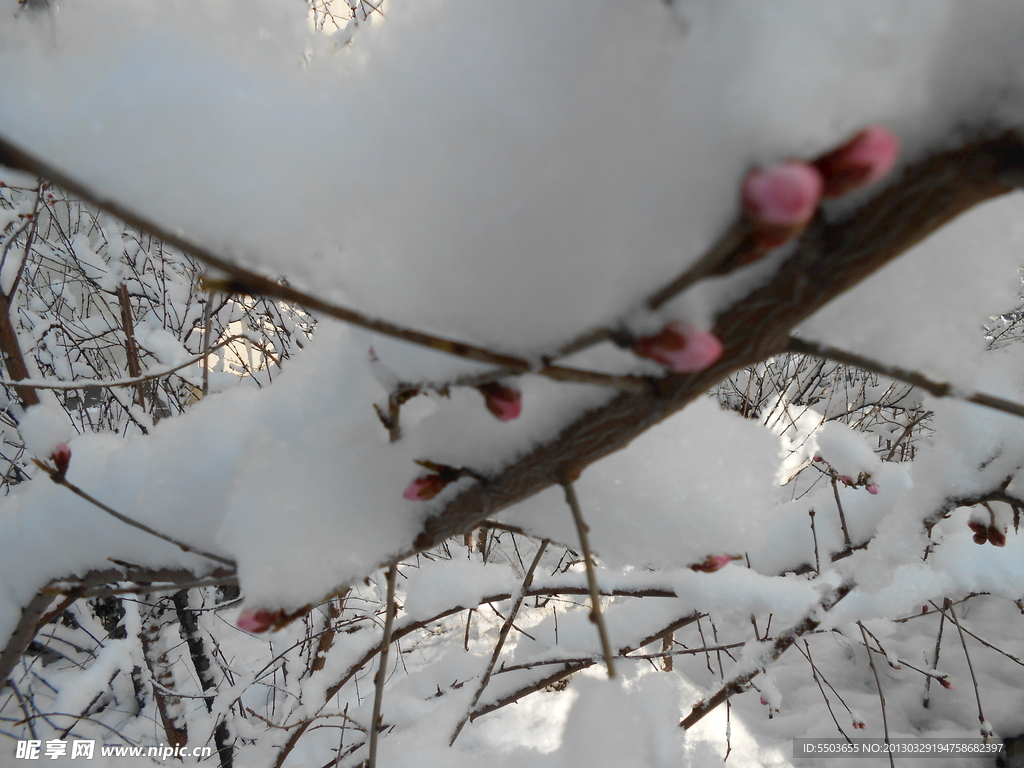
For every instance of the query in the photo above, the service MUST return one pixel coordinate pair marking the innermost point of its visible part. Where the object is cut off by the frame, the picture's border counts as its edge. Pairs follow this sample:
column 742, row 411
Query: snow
column 514, row 177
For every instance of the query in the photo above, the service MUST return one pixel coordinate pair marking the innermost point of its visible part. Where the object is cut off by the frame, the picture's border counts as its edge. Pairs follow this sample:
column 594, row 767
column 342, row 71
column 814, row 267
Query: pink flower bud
column 860, row 726
column 945, row 683
column 980, row 538
column 846, row 480
column 61, row 458
column 713, row 563
column 426, row 487
column 818, row 458
column 504, row 402
column 258, row 620
column 681, row 348
column 783, row 197
column 872, row 488
column 764, row 701
column 996, row 537
column 867, row 157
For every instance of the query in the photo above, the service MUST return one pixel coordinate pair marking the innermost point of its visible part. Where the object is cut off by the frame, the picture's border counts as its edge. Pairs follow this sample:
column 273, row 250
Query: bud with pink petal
column 505, row 403
column 867, row 157
column 872, row 488
column 945, row 683
column 780, row 201
column 426, row 487
column 61, row 458
column 713, row 563
column 681, row 348
column 859, row 725
column 846, row 480
column 258, row 620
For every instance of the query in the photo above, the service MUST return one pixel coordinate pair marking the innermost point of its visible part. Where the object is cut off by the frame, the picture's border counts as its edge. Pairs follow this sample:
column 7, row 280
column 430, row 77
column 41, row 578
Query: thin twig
column 881, row 695
column 502, row 635
column 938, row 644
column 814, row 535
column 207, row 339
column 987, row 644
column 986, row 731
column 382, row 668
column 842, row 515
column 588, row 560
column 58, row 477
column 817, row 680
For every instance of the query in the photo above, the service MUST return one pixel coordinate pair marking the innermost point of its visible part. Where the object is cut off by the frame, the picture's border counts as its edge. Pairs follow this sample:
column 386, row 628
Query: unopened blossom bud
column 860, row 726
column 713, row 563
column 996, row 537
column 977, row 526
column 426, row 487
column 681, row 348
column 980, row 538
column 945, row 683
column 61, row 458
column 846, row 480
column 782, row 199
column 258, row 620
column 872, row 488
column 504, row 402
column 867, row 157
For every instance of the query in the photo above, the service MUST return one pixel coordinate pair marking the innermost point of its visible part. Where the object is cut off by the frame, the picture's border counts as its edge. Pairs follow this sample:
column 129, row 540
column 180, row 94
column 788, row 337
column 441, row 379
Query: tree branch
column 832, row 257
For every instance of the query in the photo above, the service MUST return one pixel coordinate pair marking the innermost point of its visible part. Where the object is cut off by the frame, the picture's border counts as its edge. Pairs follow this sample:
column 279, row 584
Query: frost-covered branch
column 782, row 643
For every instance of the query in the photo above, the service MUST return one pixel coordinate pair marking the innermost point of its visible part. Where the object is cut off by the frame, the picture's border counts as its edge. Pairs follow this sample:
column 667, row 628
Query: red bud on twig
column 61, row 458
column 713, row 563
column 867, row 157
column 996, row 537
column 426, row 487
column 258, row 620
column 504, row 402
column 681, row 348
column 782, row 197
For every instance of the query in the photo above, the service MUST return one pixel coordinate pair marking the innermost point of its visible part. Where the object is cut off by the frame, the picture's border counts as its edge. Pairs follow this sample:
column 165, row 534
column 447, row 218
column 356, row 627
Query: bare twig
column 58, row 477
column 881, row 695
column 130, row 347
column 814, row 535
column 207, row 341
column 382, row 667
column 502, row 635
column 814, row 673
column 986, row 730
column 842, row 515
column 588, row 560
